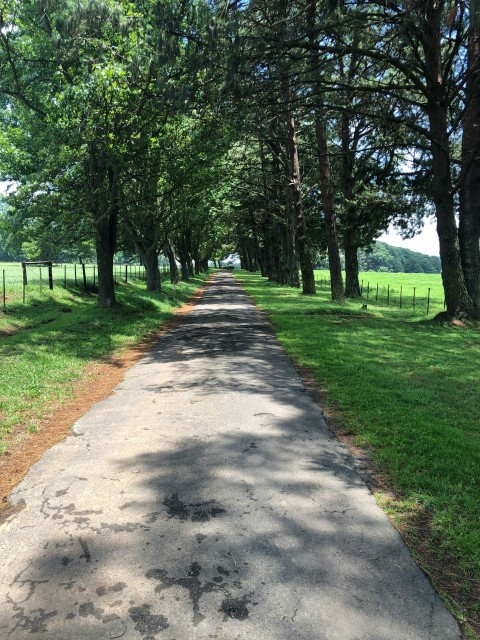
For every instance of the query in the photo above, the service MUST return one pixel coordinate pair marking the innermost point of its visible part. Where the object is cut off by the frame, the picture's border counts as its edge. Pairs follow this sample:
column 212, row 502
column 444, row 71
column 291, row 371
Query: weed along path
column 206, row 499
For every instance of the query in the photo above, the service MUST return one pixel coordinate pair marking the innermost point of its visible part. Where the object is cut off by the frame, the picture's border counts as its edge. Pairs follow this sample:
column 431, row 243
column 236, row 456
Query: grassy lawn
column 48, row 342
column 408, row 389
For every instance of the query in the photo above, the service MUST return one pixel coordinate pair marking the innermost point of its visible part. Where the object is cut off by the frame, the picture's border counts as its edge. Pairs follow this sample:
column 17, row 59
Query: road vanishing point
column 207, row 499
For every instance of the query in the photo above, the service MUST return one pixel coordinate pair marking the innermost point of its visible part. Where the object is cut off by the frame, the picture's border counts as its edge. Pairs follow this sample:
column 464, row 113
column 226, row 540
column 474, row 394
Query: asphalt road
column 206, row 499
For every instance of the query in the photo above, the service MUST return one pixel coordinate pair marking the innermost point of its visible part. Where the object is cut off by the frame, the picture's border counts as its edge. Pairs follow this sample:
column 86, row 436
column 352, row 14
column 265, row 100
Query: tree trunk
column 170, row 251
column 184, row 267
column 278, row 262
column 105, row 227
column 151, row 270
column 323, row 158
column 469, row 219
column 184, row 256
column 329, row 210
column 288, row 269
column 308, row 278
column 350, row 235
column 105, row 209
column 196, row 260
column 268, row 250
column 457, row 299
column 352, row 284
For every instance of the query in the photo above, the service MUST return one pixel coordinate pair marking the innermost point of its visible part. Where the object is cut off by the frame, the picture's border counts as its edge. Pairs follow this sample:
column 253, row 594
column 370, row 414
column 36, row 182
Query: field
column 47, row 343
column 64, row 276
column 408, row 291
column 405, row 388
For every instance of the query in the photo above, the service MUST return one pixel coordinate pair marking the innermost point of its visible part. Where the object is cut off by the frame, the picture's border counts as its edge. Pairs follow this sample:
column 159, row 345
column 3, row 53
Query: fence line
column 392, row 297
column 15, row 283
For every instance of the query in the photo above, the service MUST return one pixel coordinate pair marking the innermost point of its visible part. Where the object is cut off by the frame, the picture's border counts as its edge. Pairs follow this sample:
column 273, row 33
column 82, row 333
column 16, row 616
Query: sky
column 425, row 242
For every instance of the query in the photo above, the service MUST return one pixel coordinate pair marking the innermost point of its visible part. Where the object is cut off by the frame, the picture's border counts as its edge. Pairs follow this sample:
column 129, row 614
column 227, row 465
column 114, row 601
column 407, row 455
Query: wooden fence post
column 50, row 276
column 4, row 294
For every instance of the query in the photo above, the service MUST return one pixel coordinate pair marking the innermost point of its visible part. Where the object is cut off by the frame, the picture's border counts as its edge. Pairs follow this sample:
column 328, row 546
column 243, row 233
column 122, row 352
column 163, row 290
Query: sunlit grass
column 410, row 291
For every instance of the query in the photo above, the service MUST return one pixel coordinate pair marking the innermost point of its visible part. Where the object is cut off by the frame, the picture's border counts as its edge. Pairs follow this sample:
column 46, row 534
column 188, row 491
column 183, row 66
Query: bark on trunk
column 152, row 272
column 458, row 301
column 306, row 267
column 185, row 256
column 149, row 259
column 324, row 166
column 170, row 251
column 288, row 268
column 105, row 209
column 184, row 267
column 352, row 284
column 196, row 260
column 350, row 235
column 329, row 210
column 105, row 248
column 469, row 219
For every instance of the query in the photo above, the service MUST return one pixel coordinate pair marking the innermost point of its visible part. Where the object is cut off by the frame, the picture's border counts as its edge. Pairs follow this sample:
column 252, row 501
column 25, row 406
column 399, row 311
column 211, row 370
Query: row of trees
column 113, row 129
column 280, row 127
column 384, row 98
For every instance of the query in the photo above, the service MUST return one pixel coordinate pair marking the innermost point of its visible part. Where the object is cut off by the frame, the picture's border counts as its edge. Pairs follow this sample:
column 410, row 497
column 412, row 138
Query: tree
column 418, row 52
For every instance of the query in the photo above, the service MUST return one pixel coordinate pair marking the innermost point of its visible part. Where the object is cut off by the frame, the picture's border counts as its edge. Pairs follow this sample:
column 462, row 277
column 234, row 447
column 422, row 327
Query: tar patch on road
column 232, row 607
column 236, row 607
column 146, row 622
column 196, row 512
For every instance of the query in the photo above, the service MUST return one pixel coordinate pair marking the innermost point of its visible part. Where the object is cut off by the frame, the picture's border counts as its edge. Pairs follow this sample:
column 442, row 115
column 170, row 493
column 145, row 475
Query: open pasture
column 406, row 291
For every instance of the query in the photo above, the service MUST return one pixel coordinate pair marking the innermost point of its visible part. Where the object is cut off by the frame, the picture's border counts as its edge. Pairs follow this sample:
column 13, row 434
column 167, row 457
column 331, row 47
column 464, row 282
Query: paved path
column 206, row 499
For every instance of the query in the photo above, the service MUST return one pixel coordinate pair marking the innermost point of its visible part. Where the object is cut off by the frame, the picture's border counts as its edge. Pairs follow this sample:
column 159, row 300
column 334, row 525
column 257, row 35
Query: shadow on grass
column 74, row 325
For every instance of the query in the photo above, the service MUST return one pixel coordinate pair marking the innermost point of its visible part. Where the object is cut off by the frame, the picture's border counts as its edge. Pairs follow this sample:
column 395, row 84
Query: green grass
column 393, row 286
column 64, row 276
column 408, row 388
column 48, row 342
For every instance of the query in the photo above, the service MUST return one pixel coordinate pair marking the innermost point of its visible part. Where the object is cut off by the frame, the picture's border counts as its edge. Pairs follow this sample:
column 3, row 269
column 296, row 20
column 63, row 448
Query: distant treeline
column 382, row 257
column 385, row 258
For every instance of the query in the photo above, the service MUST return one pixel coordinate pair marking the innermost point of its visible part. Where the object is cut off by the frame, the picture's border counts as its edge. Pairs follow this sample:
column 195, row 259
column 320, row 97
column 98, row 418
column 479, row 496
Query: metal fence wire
column 20, row 280
column 400, row 296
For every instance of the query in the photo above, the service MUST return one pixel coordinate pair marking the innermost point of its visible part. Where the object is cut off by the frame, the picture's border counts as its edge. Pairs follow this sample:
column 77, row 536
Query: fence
column 401, row 296
column 17, row 284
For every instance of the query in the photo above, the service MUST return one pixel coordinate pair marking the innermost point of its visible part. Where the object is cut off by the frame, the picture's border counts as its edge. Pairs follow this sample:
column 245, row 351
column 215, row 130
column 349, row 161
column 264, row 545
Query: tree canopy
column 279, row 129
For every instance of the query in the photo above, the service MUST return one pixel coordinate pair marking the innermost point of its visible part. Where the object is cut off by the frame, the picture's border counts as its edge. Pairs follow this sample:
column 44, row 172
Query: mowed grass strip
column 49, row 342
column 408, row 389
